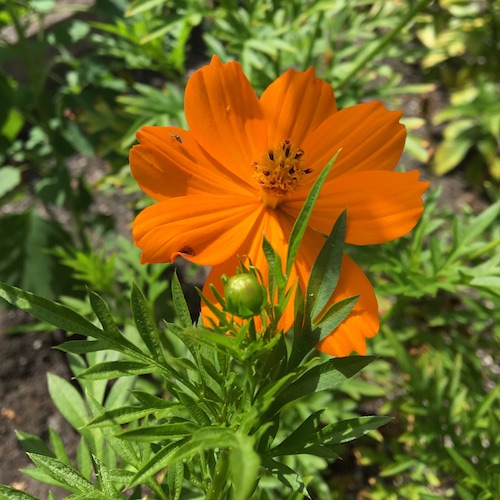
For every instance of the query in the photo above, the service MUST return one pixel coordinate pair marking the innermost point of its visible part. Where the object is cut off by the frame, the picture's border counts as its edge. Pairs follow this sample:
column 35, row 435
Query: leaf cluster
column 216, row 426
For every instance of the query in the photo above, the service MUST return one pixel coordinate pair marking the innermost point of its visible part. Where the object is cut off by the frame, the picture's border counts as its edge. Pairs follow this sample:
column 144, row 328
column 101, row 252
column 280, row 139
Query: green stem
column 220, row 478
column 383, row 42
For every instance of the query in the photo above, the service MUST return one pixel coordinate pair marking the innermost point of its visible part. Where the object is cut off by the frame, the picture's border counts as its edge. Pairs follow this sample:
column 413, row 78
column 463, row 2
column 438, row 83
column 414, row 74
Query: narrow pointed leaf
column 326, row 269
column 159, row 432
column 119, row 416
column 204, row 439
column 145, row 322
column 84, row 346
column 468, row 468
column 300, row 225
column 311, row 335
column 84, row 460
column 149, row 400
column 107, row 486
column 270, row 255
column 111, row 332
column 67, row 400
column 332, row 318
column 175, row 480
column 300, row 437
column 301, row 329
column 180, row 304
column 63, row 473
column 122, row 448
column 319, row 378
column 476, row 227
column 348, row 430
column 194, row 408
column 244, row 465
column 286, row 475
column 33, row 444
column 45, row 310
column 160, row 460
column 7, row 493
column 58, row 447
column 318, row 451
column 41, row 476
column 88, row 496
column 115, row 369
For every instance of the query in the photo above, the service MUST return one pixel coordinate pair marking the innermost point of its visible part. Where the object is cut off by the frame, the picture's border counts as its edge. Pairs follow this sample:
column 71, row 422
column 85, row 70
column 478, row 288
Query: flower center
column 279, row 172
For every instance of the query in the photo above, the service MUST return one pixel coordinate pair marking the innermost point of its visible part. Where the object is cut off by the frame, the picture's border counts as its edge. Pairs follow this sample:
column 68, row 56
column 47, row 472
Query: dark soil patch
column 25, row 404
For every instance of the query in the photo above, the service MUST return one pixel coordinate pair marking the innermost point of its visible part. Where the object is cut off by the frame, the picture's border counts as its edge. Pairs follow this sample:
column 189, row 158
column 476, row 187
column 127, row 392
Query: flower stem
column 383, row 42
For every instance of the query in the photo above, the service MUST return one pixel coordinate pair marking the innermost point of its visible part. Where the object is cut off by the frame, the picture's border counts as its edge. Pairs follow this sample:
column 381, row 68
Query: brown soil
column 25, row 404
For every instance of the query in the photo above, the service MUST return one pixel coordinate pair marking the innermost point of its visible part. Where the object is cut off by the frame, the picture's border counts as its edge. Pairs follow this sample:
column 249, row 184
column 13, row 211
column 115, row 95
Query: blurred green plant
column 462, row 40
column 440, row 288
column 463, row 50
column 473, row 129
column 445, row 252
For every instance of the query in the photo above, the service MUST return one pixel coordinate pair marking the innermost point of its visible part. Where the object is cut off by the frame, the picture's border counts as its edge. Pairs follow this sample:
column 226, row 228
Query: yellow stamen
column 279, row 172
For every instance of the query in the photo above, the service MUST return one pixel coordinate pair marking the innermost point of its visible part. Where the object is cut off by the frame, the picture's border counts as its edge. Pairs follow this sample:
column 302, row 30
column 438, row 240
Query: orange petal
column 204, row 229
column 168, row 162
column 296, row 104
column 381, row 206
column 363, row 320
column 371, row 138
column 225, row 116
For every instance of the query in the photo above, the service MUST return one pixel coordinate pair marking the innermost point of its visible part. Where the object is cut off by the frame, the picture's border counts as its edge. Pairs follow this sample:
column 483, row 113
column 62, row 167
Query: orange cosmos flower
column 244, row 170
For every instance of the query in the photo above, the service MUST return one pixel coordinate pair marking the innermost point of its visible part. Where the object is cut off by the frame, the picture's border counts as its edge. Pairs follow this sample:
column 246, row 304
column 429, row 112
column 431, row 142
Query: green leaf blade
column 300, row 225
column 326, row 269
column 8, row 493
column 45, row 310
column 180, row 304
column 66, row 475
column 145, row 322
column 319, row 378
column 115, row 369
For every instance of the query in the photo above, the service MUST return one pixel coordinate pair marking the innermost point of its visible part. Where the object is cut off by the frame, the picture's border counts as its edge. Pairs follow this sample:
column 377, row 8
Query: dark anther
column 299, row 154
column 271, row 155
column 307, row 170
column 267, row 173
column 282, row 163
column 291, row 171
column 287, row 150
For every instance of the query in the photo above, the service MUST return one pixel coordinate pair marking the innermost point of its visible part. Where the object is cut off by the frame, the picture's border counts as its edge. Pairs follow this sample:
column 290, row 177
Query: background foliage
column 75, row 91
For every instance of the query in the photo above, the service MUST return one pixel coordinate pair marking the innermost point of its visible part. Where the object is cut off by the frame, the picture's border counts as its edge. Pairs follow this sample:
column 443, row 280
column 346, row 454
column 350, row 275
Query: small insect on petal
column 176, row 137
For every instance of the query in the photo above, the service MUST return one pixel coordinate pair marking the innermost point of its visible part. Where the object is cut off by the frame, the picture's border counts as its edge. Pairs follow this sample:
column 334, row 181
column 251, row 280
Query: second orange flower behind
column 244, row 170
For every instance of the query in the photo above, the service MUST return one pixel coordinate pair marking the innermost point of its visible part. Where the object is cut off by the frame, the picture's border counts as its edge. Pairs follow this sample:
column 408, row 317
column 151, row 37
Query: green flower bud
column 244, row 295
